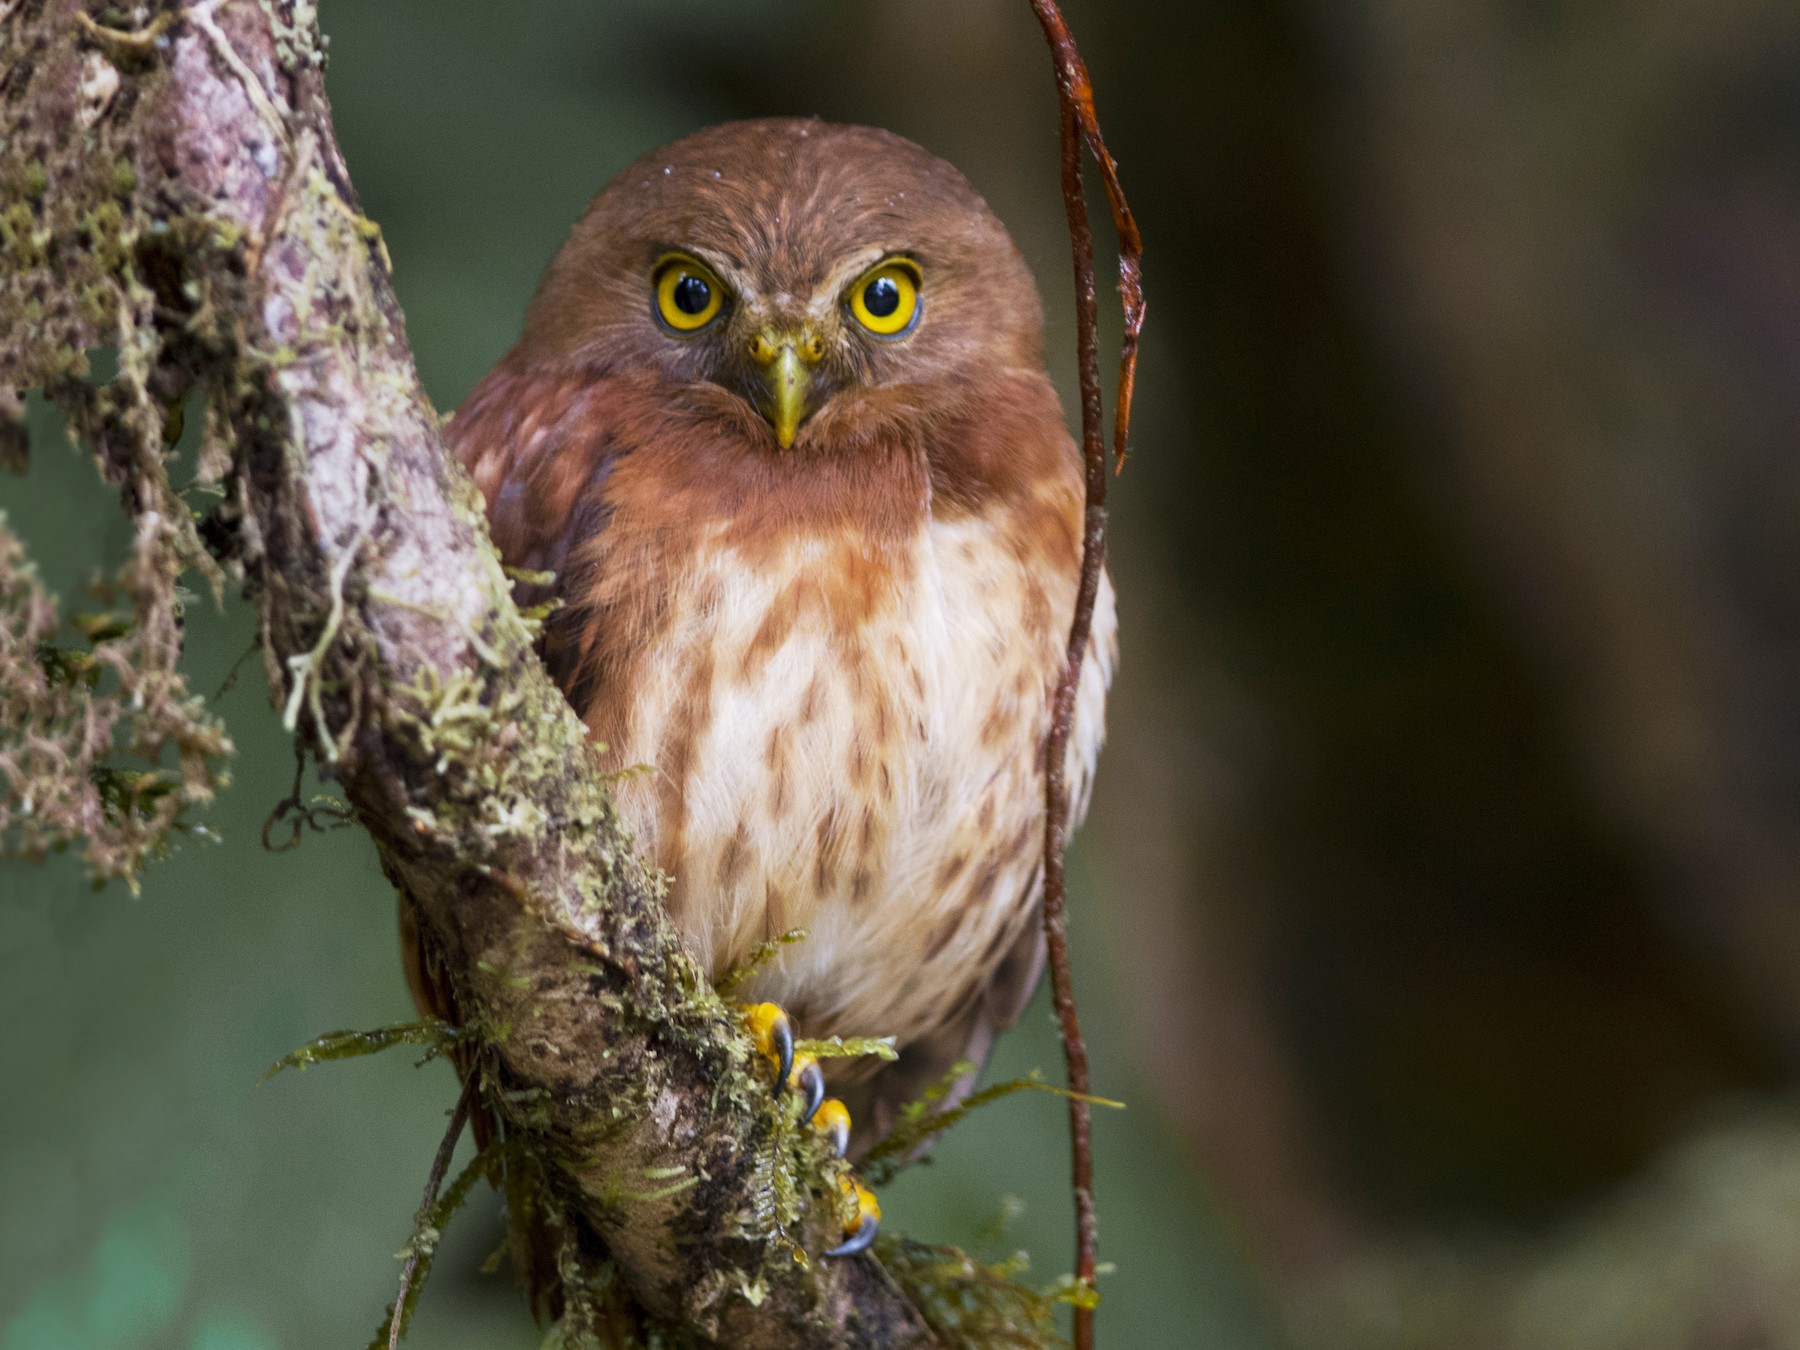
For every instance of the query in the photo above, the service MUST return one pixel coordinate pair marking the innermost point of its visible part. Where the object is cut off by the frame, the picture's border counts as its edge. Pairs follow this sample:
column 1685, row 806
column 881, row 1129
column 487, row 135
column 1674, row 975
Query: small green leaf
column 763, row 953
column 847, row 1047
column 1075, row 1292
column 353, row 1044
column 919, row 1123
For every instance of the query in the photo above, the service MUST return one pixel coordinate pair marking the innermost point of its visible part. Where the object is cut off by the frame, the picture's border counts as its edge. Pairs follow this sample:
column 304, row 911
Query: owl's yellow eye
column 886, row 300
column 688, row 295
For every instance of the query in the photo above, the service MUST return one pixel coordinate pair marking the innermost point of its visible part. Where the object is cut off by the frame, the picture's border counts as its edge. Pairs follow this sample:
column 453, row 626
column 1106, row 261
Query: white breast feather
column 958, row 622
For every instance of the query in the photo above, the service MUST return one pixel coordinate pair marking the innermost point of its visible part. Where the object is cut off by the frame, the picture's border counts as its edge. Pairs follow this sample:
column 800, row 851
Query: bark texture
column 174, row 190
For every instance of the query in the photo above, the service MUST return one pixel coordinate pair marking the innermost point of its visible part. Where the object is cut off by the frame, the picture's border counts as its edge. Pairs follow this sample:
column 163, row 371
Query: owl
column 779, row 426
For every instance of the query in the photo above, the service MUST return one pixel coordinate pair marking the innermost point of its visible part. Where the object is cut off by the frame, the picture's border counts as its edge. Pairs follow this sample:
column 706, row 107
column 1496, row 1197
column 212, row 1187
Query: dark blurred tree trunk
column 1460, row 951
column 1593, row 265
column 1511, row 849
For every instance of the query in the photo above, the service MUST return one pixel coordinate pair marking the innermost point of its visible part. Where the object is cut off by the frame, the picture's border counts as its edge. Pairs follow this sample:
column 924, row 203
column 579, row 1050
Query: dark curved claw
column 861, row 1238
column 773, row 1032
column 868, row 1217
column 781, row 1040
column 811, row 1081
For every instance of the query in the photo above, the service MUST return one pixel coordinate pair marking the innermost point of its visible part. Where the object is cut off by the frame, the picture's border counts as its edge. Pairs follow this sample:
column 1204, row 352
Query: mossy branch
column 175, row 191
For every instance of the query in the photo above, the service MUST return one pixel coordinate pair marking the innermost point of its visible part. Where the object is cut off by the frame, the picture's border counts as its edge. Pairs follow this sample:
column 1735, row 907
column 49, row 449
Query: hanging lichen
column 101, row 743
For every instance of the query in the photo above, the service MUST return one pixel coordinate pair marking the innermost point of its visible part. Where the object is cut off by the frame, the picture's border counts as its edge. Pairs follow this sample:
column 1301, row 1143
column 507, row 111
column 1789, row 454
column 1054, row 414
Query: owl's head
column 794, row 266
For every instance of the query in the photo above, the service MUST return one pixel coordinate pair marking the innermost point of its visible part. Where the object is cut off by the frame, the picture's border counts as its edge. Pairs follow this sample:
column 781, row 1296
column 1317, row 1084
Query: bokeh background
column 1438, row 917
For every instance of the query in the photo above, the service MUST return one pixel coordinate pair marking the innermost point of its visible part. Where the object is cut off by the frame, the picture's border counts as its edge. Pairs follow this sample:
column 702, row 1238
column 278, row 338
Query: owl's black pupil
column 692, row 295
column 881, row 297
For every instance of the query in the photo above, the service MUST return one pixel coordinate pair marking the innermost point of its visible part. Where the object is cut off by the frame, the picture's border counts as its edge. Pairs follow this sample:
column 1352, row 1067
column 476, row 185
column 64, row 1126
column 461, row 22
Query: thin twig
column 1079, row 124
column 1076, row 94
column 321, row 816
column 231, row 676
column 439, row 1165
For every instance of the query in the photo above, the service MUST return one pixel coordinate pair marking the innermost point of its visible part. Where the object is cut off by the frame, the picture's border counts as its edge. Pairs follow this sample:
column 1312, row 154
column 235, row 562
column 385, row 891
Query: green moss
column 23, row 242
column 969, row 1305
column 760, row 956
column 599, row 1313
column 109, row 236
column 848, row 1047
column 299, row 45
column 428, row 1231
column 924, row 1120
column 437, row 1036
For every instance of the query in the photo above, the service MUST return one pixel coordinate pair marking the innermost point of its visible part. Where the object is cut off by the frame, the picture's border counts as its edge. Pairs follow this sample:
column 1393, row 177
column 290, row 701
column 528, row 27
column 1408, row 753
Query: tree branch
column 176, row 191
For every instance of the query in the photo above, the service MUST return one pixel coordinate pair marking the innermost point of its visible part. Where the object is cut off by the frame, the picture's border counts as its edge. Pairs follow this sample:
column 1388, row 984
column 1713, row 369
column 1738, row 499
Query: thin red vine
column 1080, row 126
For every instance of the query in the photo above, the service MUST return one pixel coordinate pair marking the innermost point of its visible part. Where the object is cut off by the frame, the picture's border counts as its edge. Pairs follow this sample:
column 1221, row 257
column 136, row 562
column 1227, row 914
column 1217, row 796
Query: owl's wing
column 540, row 452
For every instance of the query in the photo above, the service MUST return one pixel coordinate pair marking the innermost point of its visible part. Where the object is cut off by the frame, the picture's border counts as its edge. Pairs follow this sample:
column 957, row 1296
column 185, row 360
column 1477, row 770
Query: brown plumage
column 835, row 656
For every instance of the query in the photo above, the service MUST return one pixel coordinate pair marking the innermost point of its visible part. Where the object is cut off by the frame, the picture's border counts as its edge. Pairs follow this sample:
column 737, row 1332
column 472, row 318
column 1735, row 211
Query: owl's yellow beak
column 787, row 360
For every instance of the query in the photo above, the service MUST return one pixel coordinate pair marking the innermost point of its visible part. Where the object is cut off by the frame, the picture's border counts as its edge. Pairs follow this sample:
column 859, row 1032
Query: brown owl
column 779, row 425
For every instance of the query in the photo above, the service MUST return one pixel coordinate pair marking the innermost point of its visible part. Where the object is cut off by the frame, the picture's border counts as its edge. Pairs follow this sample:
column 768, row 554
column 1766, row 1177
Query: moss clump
column 100, row 741
column 969, row 1305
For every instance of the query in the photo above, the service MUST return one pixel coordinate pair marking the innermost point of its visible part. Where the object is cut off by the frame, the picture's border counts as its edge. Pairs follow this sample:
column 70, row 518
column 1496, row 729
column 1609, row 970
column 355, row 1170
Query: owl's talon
column 860, row 1236
column 808, row 1079
column 833, row 1121
column 773, row 1031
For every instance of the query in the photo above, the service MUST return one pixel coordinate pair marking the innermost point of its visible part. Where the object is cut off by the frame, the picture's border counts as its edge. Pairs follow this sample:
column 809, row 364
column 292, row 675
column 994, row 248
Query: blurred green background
column 1438, row 915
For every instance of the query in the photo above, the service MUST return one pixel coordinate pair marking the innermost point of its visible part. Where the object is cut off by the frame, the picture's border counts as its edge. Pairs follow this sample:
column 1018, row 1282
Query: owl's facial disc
column 774, row 351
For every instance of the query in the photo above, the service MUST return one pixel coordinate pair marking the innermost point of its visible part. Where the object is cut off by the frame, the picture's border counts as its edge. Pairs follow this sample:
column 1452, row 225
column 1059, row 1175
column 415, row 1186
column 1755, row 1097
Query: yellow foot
column 833, row 1121
column 773, row 1032
column 860, row 1235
